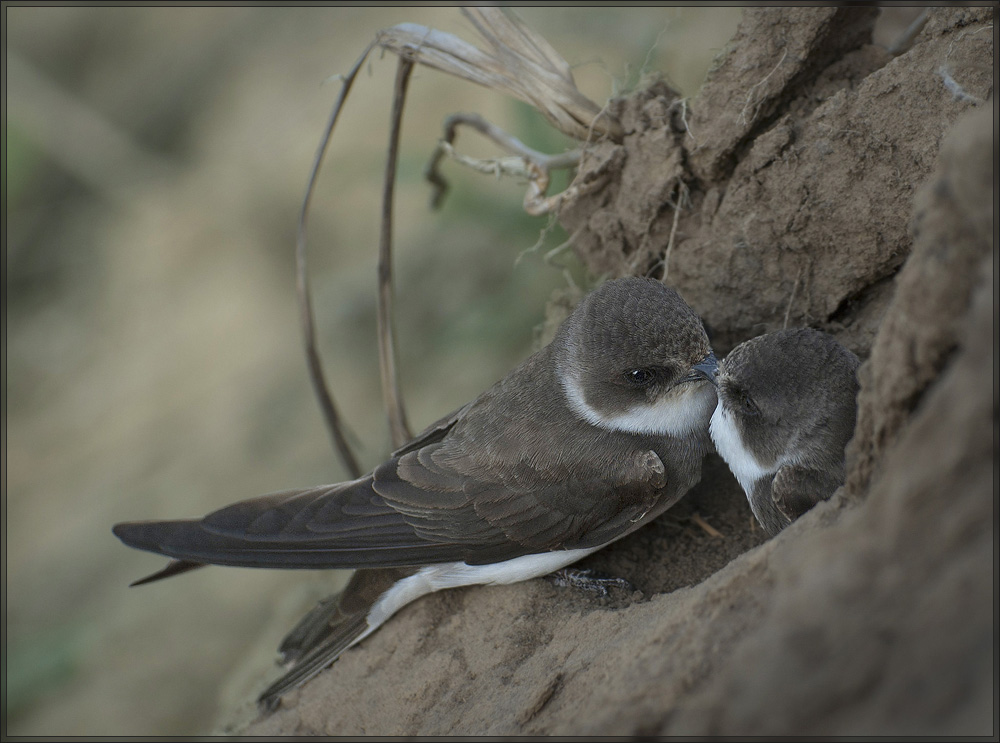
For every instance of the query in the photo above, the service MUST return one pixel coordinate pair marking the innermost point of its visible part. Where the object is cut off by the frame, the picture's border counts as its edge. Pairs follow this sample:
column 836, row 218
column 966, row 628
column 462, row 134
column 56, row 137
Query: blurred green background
column 155, row 162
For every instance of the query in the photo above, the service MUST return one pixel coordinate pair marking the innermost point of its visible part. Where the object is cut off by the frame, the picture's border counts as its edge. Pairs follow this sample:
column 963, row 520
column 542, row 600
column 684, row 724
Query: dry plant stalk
column 391, row 395
column 313, row 360
column 519, row 62
column 527, row 163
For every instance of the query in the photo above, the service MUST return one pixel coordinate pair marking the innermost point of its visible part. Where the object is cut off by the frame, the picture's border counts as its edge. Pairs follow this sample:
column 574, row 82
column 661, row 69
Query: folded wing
column 472, row 487
column 337, row 526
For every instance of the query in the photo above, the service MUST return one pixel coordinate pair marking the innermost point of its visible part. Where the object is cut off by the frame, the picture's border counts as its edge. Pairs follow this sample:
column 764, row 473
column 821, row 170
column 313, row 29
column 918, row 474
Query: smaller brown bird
column 787, row 408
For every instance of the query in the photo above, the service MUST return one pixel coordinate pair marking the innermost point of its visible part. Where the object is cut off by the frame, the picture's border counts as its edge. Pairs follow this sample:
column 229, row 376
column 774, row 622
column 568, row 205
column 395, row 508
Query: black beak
column 704, row 369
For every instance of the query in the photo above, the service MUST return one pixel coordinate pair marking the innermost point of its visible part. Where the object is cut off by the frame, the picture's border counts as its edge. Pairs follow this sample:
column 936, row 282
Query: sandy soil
column 850, row 190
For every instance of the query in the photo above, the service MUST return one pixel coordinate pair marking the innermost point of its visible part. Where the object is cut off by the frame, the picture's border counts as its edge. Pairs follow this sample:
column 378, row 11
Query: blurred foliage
column 154, row 362
column 21, row 161
column 39, row 664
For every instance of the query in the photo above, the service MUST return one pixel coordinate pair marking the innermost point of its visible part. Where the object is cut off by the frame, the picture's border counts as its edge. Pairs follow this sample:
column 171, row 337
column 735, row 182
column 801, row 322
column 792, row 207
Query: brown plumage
column 787, row 408
column 520, row 472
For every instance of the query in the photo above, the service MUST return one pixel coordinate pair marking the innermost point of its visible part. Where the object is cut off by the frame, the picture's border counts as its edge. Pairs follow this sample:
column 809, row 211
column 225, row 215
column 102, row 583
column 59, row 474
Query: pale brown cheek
column 616, row 401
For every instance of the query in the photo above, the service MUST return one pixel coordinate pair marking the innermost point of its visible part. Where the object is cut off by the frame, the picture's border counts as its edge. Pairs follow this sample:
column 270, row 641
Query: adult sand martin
column 787, row 407
column 589, row 439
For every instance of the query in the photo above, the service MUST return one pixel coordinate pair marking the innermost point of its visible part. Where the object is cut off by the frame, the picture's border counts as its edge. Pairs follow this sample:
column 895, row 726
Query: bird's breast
column 729, row 443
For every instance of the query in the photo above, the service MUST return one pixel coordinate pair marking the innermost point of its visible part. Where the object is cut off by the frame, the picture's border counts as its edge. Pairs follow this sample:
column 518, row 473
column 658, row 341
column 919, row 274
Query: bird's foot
column 590, row 580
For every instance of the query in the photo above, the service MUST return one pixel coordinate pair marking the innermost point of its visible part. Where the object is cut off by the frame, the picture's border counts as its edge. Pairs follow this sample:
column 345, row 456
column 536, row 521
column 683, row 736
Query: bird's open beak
column 704, row 369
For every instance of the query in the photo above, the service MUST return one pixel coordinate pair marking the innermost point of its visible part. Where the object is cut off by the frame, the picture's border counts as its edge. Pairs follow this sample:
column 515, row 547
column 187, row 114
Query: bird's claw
column 590, row 580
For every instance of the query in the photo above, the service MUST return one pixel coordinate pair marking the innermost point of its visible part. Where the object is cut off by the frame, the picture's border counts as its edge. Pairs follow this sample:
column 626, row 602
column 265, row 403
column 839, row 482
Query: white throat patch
column 727, row 442
column 683, row 410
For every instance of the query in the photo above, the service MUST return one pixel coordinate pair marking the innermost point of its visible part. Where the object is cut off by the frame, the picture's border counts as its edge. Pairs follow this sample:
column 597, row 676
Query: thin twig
column 743, row 114
column 499, row 137
column 521, row 64
column 511, row 167
column 302, row 286
column 536, row 203
column 391, row 396
column 542, row 234
column 681, row 195
column 791, row 298
column 682, row 102
column 549, row 257
column 706, row 527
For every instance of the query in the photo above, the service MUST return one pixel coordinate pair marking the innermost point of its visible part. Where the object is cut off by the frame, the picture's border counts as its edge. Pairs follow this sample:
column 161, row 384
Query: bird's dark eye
column 641, row 377
column 738, row 400
column 748, row 406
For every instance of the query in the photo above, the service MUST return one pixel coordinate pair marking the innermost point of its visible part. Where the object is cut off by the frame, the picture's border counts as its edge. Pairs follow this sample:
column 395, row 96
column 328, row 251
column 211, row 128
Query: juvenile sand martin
column 787, row 408
column 587, row 440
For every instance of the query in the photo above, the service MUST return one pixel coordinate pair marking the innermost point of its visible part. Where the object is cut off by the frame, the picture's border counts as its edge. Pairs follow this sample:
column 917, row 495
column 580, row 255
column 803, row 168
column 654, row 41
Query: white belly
column 454, row 574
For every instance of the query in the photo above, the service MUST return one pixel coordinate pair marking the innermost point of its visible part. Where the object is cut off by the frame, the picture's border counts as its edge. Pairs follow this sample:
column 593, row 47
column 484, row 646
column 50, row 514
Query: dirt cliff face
column 815, row 180
column 794, row 171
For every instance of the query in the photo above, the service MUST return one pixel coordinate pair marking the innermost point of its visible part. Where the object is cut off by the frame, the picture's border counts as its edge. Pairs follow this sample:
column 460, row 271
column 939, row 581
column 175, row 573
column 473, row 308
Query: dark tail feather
column 174, row 567
column 329, row 629
column 189, row 542
column 310, row 630
column 321, row 656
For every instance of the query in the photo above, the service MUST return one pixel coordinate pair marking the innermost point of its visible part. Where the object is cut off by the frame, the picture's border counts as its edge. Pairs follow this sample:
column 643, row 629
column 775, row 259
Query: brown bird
column 787, row 408
column 587, row 440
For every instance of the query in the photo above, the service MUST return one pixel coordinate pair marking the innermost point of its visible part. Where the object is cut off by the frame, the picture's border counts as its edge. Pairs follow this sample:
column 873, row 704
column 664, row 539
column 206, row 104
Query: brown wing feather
column 475, row 487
